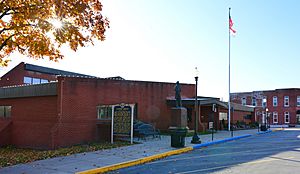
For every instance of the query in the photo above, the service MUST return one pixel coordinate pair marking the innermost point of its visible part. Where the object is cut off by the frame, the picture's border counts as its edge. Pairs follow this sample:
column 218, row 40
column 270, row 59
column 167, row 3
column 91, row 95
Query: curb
column 268, row 131
column 136, row 162
column 162, row 155
column 220, row 141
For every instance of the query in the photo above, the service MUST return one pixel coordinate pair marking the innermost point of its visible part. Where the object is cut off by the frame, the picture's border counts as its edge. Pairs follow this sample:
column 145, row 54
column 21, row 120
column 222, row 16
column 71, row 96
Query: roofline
column 52, row 71
column 266, row 90
column 99, row 78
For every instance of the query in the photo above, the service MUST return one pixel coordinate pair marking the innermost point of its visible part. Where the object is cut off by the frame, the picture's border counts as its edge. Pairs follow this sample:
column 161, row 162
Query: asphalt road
column 276, row 152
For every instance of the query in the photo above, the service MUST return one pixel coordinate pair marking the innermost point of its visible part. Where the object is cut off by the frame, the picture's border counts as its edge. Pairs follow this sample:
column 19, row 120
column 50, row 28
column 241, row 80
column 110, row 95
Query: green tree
column 38, row 28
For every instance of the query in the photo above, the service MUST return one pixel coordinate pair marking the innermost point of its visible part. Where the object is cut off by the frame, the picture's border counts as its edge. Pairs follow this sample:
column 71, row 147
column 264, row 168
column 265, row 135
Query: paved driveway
column 276, row 152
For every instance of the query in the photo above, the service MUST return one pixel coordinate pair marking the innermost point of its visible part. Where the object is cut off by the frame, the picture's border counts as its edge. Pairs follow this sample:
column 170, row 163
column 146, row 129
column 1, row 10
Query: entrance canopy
column 209, row 101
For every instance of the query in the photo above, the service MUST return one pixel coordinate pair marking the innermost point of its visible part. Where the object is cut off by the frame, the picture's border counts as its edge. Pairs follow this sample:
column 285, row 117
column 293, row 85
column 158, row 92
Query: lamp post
column 196, row 139
column 264, row 116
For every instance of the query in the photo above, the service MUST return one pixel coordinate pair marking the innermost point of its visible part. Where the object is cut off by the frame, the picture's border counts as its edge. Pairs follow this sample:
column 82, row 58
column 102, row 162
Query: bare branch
column 5, row 13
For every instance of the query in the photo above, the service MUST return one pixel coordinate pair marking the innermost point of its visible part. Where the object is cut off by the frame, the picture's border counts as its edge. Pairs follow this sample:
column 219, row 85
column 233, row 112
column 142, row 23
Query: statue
column 177, row 95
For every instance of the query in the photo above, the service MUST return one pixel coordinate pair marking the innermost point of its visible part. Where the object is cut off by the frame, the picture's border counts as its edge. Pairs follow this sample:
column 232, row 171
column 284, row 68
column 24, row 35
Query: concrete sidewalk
column 91, row 160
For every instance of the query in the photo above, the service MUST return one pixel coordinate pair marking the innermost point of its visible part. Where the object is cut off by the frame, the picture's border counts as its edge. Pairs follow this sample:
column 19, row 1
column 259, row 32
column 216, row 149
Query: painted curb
column 156, row 157
column 268, row 131
column 220, row 141
column 136, row 162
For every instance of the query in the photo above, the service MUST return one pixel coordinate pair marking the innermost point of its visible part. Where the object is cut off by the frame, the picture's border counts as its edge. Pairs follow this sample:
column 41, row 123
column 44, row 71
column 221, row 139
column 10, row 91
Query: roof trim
column 52, row 71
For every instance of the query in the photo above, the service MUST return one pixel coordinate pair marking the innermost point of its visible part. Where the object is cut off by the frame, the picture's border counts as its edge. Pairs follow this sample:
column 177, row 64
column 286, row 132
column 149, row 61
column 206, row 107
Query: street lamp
column 264, row 116
column 196, row 139
column 267, row 118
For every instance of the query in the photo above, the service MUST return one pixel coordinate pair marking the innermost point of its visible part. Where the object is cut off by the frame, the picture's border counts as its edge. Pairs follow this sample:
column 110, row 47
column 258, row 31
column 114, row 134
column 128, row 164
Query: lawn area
column 10, row 155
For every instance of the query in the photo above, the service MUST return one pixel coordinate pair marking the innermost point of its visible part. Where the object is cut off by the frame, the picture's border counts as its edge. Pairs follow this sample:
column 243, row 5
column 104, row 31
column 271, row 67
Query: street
column 266, row 153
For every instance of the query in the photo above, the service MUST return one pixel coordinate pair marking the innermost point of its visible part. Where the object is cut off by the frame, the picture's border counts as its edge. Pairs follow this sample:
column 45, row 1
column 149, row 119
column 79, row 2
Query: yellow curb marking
column 135, row 162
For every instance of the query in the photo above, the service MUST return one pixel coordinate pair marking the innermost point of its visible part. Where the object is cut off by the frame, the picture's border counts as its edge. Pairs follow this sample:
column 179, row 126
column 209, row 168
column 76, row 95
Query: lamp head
column 196, row 72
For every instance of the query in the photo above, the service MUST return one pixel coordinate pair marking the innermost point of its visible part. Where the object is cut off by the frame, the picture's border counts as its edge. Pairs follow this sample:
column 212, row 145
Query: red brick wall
column 237, row 115
column 33, row 119
column 280, row 109
column 5, row 131
column 81, row 96
column 17, row 74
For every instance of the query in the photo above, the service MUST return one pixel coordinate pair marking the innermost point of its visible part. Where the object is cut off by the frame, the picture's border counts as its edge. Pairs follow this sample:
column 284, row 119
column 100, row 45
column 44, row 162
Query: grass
column 11, row 156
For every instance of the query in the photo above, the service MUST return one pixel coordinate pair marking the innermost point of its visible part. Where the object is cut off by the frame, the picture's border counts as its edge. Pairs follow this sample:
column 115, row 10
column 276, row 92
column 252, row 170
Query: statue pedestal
column 178, row 128
column 179, row 117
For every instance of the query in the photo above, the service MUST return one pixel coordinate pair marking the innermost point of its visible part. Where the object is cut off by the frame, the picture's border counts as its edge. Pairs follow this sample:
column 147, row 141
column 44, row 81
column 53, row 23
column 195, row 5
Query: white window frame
column 264, row 103
column 275, row 116
column 275, row 101
column 244, row 101
column 286, row 116
column 286, row 101
column 298, row 100
column 254, row 102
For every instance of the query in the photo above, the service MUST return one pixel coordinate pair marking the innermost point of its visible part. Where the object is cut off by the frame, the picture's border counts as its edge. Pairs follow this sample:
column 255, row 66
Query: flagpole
column 229, row 108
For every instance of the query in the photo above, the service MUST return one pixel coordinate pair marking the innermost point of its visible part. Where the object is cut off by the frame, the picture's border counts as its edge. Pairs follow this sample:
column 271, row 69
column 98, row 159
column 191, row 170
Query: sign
column 122, row 120
column 210, row 125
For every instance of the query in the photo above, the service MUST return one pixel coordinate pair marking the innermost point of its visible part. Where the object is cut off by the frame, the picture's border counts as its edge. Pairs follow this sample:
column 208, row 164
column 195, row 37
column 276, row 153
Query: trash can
column 178, row 137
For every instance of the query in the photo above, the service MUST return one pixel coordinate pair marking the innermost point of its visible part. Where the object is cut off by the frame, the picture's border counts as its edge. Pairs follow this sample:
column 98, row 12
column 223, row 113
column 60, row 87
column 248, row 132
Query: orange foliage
column 25, row 26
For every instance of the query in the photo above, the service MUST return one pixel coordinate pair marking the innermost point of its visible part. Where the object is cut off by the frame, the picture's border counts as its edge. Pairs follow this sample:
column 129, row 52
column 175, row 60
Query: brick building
column 282, row 105
column 48, row 108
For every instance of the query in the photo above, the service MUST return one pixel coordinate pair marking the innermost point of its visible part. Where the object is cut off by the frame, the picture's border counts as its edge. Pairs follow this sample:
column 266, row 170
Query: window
column 286, row 101
column 244, row 101
column 253, row 101
column 5, row 111
column 286, row 117
column 298, row 100
column 27, row 80
column 44, row 81
column 31, row 80
column 104, row 112
column 275, row 102
column 275, row 117
column 36, row 81
column 264, row 102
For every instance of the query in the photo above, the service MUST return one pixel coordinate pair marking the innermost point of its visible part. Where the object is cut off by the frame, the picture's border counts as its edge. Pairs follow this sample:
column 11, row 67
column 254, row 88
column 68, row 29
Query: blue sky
column 164, row 40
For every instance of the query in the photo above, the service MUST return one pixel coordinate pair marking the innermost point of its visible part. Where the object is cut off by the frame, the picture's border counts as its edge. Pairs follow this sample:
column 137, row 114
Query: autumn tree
column 38, row 28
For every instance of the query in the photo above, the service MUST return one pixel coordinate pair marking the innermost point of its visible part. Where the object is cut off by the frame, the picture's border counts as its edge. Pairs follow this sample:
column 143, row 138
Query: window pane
column 243, row 101
column 1, row 111
column 286, row 100
column 27, row 80
column 104, row 112
column 7, row 111
column 36, row 81
column 44, row 81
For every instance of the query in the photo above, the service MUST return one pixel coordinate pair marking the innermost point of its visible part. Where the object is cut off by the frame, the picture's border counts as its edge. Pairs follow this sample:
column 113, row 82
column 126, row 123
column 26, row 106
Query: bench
column 145, row 130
